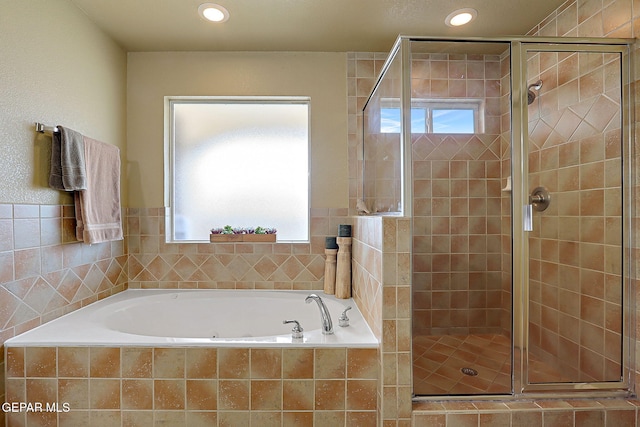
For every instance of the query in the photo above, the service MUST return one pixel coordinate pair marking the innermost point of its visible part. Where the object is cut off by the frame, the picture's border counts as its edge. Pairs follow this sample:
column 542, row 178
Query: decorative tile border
column 153, row 263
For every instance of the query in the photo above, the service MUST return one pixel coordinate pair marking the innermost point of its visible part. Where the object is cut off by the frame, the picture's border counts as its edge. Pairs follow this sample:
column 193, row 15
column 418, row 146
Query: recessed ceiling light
column 461, row 17
column 213, row 12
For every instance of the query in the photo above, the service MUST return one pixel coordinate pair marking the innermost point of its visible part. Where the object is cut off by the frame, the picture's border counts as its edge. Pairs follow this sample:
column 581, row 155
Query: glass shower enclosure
column 513, row 160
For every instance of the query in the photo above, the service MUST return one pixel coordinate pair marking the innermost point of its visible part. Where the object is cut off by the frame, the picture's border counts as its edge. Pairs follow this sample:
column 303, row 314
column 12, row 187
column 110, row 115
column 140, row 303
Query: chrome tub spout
column 325, row 317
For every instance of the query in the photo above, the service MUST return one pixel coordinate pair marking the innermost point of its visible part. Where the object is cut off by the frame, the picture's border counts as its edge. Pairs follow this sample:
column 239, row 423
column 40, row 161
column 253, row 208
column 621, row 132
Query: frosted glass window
column 239, row 162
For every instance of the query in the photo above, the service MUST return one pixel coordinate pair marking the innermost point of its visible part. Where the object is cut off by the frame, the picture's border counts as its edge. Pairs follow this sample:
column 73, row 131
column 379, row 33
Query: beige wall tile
column 75, row 392
column 169, row 394
column 202, row 363
column 362, row 363
column 137, row 394
column 40, row 361
column 202, row 394
column 104, row 362
column 137, row 362
column 15, row 361
column 329, row 394
column 266, row 363
column 169, row 363
column 297, row 419
column 104, row 393
column 231, row 419
column 298, row 363
column 201, row 419
column 330, row 363
column 298, row 395
column 266, row 395
column 233, row 363
column 233, row 395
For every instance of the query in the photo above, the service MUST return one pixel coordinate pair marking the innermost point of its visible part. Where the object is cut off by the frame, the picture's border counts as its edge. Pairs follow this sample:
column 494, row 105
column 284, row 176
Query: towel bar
column 41, row 128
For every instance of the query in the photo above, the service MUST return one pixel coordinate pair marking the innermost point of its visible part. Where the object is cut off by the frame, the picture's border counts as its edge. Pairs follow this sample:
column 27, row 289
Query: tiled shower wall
column 576, row 244
column 367, row 270
column 382, row 288
column 457, row 255
column 45, row 273
column 610, row 19
column 458, row 260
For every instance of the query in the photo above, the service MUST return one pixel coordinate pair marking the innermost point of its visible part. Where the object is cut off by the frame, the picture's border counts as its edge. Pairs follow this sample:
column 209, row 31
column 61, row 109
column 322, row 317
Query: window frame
column 170, row 154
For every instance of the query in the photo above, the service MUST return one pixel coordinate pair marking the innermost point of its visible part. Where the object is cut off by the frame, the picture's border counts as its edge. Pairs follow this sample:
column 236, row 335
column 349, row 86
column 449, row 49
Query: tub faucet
column 325, row 317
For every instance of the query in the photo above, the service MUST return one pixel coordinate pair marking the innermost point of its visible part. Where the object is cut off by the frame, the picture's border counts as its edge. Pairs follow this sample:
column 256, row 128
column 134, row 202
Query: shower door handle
column 528, row 218
column 538, row 200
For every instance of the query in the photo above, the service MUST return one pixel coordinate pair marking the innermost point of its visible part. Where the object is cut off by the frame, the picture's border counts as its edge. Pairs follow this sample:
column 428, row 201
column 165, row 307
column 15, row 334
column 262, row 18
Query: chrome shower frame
column 520, row 198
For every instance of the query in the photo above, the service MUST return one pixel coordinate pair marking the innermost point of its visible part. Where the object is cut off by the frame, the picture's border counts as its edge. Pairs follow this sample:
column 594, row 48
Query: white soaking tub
column 230, row 318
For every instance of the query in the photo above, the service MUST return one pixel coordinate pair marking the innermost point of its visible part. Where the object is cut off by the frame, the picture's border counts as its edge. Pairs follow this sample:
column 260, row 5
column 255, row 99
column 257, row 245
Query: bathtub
column 218, row 318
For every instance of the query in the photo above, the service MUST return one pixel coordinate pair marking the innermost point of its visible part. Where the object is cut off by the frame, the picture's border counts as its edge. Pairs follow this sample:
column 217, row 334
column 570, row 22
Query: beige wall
column 56, row 68
column 154, row 75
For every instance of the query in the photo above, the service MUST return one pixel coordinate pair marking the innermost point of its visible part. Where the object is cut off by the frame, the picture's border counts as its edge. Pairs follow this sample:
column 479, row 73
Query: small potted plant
column 242, row 234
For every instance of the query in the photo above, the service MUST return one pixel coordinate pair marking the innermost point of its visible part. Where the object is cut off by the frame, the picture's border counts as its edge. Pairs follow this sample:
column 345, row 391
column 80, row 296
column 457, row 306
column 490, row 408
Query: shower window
column 390, row 120
column 242, row 162
column 443, row 116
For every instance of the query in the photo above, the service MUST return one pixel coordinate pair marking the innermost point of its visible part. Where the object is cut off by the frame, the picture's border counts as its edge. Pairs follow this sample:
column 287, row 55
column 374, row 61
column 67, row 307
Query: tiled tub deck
column 194, row 386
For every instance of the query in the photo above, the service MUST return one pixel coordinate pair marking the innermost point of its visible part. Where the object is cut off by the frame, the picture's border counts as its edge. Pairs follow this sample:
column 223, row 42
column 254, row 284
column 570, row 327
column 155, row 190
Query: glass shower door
column 461, row 282
column 575, row 219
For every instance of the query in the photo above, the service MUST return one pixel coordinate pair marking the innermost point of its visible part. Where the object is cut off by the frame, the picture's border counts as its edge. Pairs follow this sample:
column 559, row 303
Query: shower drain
column 469, row 371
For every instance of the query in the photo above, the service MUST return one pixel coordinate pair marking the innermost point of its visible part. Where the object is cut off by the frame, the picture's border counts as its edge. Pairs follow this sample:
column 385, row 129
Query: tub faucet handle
column 344, row 320
column 297, row 331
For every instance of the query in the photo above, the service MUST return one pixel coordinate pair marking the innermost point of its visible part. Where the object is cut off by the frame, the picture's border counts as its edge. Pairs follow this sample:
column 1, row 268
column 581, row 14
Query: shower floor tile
column 438, row 361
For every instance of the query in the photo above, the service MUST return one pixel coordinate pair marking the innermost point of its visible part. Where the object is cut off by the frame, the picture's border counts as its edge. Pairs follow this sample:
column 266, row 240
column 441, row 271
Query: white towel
column 98, row 216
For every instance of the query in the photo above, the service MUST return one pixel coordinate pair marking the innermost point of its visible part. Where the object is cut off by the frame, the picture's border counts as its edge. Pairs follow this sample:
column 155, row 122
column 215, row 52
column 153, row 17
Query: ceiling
column 303, row 25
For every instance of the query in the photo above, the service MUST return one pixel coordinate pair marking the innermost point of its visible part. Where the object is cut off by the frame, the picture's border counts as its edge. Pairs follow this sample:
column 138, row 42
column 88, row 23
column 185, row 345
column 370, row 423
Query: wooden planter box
column 269, row 238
